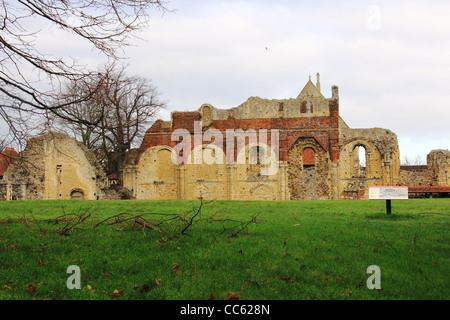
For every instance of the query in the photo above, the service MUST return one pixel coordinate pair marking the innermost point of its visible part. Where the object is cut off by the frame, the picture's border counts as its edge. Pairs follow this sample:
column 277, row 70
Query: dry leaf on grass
column 31, row 288
column 232, row 296
column 117, row 293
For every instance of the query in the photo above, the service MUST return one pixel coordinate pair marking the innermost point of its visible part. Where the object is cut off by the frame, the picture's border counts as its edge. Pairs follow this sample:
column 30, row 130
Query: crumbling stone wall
column 438, row 163
column 382, row 161
column 155, row 179
column 259, row 108
column 312, row 182
column 54, row 166
column 435, row 173
column 156, row 176
column 27, row 169
column 415, row 176
column 12, row 191
column 309, row 116
column 3, row 191
column 309, row 121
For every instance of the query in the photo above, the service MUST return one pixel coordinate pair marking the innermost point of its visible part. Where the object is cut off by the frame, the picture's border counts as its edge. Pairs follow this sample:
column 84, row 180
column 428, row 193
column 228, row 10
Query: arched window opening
column 206, row 116
column 309, row 158
column 359, row 160
column 164, row 166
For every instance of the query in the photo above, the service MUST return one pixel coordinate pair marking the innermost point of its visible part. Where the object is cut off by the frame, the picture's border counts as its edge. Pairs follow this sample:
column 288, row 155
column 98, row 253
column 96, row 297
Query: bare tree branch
column 116, row 115
column 31, row 79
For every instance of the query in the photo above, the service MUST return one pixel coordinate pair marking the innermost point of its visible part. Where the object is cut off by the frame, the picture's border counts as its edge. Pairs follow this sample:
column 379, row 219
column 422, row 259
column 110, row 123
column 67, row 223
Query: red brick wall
column 324, row 129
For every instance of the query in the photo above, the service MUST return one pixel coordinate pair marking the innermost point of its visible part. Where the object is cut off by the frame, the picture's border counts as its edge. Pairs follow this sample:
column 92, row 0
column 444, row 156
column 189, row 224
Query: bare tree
column 416, row 161
column 87, row 114
column 118, row 113
column 30, row 79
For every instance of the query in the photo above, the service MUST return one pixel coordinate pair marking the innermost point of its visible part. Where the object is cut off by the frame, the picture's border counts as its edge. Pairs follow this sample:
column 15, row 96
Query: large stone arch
column 257, row 159
column 205, row 173
column 382, row 161
column 257, row 172
column 262, row 192
column 356, row 179
column 349, row 156
column 157, row 174
column 308, row 182
column 164, row 167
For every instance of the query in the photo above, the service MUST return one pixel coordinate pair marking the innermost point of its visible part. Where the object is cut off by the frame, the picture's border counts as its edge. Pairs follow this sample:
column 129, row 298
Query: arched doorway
column 308, row 170
column 77, row 194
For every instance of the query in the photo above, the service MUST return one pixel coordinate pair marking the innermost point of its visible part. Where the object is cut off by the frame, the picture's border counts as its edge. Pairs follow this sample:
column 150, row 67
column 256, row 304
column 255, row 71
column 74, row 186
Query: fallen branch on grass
column 70, row 225
column 134, row 222
column 191, row 220
column 172, row 224
column 413, row 243
column 72, row 221
column 243, row 226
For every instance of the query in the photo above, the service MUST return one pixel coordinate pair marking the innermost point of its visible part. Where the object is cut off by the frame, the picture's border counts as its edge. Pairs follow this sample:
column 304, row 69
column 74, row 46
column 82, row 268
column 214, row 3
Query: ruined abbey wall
column 438, row 162
column 435, row 173
column 54, row 166
column 316, row 151
column 280, row 149
column 381, row 156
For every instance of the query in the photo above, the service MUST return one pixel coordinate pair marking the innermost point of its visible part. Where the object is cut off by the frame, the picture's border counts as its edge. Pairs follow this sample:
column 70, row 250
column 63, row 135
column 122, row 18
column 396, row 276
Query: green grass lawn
column 293, row 250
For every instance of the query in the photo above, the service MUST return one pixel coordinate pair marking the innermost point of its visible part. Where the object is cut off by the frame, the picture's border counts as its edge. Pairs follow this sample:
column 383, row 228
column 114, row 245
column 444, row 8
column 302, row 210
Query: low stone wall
column 415, row 176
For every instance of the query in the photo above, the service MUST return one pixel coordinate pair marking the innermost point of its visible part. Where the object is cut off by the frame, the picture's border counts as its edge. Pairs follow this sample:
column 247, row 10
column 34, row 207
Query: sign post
column 388, row 206
column 388, row 193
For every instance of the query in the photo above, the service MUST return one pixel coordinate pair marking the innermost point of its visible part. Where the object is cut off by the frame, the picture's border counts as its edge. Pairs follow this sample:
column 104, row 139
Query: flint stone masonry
column 427, row 179
column 438, row 162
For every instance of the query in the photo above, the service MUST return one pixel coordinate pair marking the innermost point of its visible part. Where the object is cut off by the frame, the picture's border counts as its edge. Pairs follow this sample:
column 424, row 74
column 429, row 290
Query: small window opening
column 309, row 158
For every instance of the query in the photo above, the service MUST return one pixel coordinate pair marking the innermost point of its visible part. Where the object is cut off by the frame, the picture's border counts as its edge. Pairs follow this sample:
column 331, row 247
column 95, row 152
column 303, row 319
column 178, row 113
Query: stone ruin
column 318, row 157
column 53, row 166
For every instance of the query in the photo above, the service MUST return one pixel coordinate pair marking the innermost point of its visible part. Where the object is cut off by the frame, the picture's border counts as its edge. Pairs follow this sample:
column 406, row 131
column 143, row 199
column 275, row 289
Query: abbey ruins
column 283, row 149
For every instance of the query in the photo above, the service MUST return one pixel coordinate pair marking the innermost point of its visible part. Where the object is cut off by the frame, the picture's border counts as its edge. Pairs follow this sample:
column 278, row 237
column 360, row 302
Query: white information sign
column 388, row 193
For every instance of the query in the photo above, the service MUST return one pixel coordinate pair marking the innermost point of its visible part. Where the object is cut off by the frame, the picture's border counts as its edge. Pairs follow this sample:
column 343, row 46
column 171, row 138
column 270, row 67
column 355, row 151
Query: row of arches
column 254, row 154
column 206, row 172
column 309, row 172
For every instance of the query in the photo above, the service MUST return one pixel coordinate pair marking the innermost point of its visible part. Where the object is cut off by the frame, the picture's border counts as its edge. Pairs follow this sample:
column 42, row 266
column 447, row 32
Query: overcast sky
column 390, row 59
